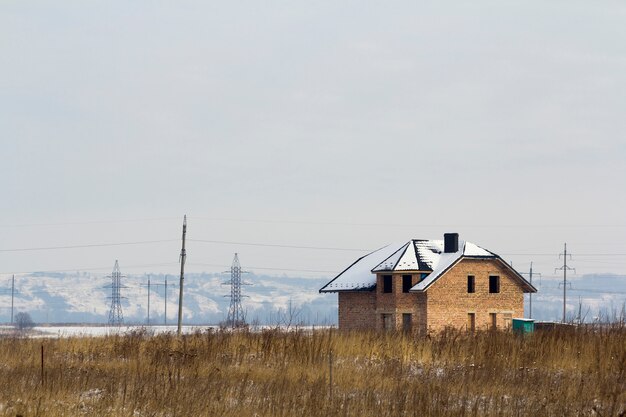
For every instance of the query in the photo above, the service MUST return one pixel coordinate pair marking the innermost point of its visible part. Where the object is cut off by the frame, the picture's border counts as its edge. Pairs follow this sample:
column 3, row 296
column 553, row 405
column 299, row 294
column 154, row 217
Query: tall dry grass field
column 275, row 373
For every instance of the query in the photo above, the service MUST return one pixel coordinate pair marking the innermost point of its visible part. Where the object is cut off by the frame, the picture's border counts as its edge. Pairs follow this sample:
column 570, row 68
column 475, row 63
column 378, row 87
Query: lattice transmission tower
column 116, row 316
column 236, row 316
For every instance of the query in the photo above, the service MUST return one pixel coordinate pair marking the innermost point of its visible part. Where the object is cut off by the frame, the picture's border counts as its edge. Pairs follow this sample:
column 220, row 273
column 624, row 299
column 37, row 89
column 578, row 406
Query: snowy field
column 99, row 331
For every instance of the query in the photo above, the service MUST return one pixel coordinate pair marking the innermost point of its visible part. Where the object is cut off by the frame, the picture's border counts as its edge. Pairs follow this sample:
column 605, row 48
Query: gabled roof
column 358, row 276
column 414, row 255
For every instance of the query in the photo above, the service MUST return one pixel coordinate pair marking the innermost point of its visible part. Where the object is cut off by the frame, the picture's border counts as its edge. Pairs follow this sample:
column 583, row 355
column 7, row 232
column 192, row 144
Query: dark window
column 471, row 321
column 494, row 284
column 387, row 283
column 406, row 322
column 407, row 282
column 471, row 283
column 388, row 323
column 494, row 320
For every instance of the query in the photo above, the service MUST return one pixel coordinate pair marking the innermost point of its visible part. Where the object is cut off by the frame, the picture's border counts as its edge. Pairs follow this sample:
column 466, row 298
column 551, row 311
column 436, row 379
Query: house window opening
column 387, row 284
column 407, row 322
column 388, row 321
column 494, row 284
column 471, row 322
column 493, row 321
column 471, row 284
column 407, row 283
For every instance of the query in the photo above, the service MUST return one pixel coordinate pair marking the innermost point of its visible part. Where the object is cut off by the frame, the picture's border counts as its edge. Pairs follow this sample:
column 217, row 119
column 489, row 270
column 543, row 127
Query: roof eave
column 326, row 291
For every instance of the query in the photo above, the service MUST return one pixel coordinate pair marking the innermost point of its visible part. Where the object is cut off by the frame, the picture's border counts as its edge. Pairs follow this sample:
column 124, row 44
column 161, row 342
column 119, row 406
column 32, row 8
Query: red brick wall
column 398, row 303
column 445, row 303
column 449, row 302
column 357, row 310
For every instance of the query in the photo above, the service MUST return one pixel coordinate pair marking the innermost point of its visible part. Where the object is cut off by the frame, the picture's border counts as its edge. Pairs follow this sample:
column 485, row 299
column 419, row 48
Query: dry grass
column 273, row 373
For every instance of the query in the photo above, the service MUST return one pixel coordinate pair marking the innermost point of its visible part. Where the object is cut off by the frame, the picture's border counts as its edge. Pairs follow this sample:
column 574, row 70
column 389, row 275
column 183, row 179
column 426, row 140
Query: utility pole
column 148, row 300
column 12, row 295
column 183, row 255
column 565, row 268
column 165, row 315
column 530, row 295
column 151, row 285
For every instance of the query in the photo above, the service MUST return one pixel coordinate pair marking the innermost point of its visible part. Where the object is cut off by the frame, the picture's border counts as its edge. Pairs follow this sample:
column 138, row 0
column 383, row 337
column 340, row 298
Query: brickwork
column 446, row 303
column 357, row 310
column 449, row 303
column 398, row 303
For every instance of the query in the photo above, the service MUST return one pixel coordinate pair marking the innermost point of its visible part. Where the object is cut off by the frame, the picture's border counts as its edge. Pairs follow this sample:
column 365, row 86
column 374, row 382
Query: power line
column 93, row 245
column 270, row 245
column 597, row 291
column 555, row 254
column 87, row 269
column 268, row 268
column 224, row 242
column 338, row 223
column 88, row 222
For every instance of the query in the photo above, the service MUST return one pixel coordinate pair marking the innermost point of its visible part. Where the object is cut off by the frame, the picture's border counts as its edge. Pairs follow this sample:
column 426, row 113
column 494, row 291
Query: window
column 423, row 275
column 493, row 320
column 387, row 283
column 494, row 284
column 471, row 284
column 387, row 321
column 406, row 322
column 407, row 282
column 471, row 321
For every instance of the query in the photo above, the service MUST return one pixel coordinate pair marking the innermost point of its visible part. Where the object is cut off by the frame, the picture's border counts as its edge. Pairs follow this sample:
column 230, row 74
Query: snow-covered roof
column 414, row 255
column 358, row 276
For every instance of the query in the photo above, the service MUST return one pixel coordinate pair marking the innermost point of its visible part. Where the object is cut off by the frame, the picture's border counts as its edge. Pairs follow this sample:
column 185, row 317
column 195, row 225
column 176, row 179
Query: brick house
column 427, row 285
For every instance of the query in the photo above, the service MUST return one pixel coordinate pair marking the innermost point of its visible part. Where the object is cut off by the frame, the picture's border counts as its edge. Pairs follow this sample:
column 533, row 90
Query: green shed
column 523, row 326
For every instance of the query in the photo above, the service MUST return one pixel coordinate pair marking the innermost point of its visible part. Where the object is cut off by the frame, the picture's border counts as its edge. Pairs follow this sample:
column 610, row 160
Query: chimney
column 450, row 242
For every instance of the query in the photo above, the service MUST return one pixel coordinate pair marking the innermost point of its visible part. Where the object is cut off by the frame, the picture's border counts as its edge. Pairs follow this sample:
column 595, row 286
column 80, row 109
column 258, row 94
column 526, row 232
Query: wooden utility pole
column 148, row 300
column 183, row 255
column 12, row 295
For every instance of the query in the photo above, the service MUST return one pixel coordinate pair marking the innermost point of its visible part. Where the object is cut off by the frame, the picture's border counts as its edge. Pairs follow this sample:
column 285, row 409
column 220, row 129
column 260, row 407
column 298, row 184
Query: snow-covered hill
column 85, row 298
column 82, row 297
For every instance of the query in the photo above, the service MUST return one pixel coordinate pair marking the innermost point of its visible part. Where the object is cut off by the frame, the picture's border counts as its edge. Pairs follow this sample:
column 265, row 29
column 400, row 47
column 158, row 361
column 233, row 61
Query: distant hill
column 83, row 298
column 595, row 296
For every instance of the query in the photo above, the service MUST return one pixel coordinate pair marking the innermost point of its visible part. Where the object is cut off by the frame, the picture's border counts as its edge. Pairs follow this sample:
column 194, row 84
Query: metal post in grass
column 330, row 375
column 42, row 366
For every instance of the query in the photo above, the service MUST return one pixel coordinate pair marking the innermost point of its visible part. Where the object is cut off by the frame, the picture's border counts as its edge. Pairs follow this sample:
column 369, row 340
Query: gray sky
column 332, row 124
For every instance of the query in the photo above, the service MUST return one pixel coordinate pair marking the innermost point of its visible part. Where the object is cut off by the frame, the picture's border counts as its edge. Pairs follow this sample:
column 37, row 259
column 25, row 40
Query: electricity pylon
column 116, row 317
column 236, row 316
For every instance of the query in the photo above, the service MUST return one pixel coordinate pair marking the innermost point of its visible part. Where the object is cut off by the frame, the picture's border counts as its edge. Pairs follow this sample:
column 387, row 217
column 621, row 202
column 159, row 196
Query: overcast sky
column 344, row 124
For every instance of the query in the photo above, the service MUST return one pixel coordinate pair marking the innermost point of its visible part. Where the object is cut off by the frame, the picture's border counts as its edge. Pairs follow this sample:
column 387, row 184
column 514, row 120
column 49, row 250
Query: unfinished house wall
column 357, row 310
column 451, row 305
column 399, row 310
